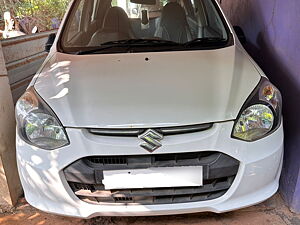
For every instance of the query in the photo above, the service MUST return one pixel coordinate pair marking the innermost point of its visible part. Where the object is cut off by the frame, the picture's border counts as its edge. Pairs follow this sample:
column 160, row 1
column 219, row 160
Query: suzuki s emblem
column 152, row 140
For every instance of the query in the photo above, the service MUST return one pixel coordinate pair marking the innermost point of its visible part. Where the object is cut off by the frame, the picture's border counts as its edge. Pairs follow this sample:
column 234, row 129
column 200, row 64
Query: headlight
column 260, row 115
column 37, row 124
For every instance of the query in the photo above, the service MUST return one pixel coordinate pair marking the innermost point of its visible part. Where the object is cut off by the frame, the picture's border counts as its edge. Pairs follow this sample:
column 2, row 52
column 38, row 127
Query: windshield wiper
column 142, row 42
column 128, row 43
column 205, row 40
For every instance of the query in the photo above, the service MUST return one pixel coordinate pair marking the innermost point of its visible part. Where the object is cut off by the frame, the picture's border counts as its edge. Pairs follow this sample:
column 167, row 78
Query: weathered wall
column 20, row 58
column 23, row 57
column 272, row 28
column 10, row 187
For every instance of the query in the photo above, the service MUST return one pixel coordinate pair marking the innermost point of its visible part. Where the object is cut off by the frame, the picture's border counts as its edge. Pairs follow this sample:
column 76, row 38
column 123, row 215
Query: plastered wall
column 272, row 28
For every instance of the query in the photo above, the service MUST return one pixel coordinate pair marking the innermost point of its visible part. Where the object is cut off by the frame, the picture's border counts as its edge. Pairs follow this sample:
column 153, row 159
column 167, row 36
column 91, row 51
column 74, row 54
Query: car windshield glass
column 95, row 26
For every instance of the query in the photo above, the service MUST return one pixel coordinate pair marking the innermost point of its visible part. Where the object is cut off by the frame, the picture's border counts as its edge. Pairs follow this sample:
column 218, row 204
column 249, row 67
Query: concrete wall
column 273, row 31
column 10, row 188
column 23, row 57
column 20, row 58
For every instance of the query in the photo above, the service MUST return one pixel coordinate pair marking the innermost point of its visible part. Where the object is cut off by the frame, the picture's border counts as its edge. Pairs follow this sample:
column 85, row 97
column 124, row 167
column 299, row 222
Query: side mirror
column 240, row 34
column 50, row 42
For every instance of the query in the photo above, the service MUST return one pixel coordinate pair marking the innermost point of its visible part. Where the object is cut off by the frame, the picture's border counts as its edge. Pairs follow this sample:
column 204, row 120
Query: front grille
column 147, row 161
column 85, row 178
column 108, row 160
column 134, row 132
column 210, row 190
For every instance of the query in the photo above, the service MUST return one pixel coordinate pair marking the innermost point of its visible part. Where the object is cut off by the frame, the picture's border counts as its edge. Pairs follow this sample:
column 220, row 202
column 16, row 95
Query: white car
column 161, row 114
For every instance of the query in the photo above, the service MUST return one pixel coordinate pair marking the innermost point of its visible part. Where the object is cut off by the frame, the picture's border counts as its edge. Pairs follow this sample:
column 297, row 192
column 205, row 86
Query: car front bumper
column 46, row 188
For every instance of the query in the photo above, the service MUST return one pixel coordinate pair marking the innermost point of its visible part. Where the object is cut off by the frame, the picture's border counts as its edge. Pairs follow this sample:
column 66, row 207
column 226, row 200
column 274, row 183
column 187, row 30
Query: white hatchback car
column 148, row 107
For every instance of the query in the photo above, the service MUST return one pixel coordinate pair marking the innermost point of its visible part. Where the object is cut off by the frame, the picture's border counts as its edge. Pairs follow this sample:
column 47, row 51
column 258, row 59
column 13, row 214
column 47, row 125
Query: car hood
column 145, row 90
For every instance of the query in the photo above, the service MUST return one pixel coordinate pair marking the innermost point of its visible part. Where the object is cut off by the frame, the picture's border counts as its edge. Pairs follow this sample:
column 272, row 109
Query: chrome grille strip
column 116, row 132
column 163, row 130
column 185, row 129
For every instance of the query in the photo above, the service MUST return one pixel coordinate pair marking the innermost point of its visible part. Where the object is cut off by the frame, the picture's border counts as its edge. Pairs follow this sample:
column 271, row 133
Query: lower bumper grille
column 219, row 171
column 211, row 190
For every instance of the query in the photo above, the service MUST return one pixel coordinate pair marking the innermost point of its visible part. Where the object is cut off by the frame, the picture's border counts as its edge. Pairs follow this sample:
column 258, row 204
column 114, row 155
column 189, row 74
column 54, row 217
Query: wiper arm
column 129, row 43
column 205, row 40
column 99, row 49
column 142, row 42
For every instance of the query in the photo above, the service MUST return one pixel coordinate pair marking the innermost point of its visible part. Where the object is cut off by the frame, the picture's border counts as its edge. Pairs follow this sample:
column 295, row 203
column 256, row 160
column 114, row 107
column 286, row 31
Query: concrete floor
column 271, row 212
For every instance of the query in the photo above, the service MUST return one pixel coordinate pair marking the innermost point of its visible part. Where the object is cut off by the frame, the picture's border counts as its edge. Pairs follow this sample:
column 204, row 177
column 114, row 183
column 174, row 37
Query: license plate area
column 186, row 176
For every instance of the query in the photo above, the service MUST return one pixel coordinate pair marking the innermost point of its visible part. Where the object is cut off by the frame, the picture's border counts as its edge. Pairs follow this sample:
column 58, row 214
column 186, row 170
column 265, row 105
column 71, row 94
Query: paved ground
column 271, row 212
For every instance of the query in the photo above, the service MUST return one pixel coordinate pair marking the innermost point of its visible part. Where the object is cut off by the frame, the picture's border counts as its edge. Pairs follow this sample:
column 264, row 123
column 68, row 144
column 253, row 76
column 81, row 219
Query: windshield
column 142, row 25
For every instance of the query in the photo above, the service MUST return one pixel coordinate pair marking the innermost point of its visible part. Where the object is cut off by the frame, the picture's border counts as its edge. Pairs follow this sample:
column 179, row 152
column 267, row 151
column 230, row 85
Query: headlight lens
column 255, row 122
column 261, row 113
column 37, row 124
